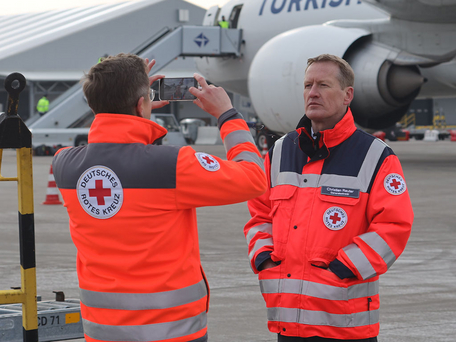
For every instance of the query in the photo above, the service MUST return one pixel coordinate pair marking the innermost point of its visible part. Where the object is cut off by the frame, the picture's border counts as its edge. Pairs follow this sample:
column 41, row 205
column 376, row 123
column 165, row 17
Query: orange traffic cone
column 263, row 145
column 52, row 193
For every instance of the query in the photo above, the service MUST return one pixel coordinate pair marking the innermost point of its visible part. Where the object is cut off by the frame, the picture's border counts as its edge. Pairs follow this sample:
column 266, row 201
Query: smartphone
column 176, row 89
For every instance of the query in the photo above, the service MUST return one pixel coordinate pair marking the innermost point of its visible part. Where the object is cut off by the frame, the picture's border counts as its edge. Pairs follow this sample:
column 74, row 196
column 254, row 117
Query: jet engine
column 383, row 90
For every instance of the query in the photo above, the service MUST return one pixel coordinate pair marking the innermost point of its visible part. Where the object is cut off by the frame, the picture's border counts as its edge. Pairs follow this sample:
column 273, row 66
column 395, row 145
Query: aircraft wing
column 430, row 11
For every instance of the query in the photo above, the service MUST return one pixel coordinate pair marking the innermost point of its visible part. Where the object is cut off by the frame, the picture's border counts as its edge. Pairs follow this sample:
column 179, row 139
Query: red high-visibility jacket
column 337, row 214
column 132, row 215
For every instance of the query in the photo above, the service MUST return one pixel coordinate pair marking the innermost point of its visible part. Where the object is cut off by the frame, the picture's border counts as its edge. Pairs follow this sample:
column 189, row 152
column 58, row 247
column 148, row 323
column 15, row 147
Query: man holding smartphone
column 177, row 89
column 132, row 205
column 337, row 214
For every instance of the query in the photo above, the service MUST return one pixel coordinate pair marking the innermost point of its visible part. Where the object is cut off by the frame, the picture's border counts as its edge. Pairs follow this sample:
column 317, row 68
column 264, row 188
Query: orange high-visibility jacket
column 132, row 215
column 337, row 214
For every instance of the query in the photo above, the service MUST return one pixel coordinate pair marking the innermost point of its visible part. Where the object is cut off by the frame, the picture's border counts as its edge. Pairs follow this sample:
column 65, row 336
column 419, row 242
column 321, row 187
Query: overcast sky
column 9, row 7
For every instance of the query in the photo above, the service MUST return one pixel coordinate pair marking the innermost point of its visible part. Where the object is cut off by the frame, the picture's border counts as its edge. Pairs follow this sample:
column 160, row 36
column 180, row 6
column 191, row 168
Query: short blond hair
column 346, row 74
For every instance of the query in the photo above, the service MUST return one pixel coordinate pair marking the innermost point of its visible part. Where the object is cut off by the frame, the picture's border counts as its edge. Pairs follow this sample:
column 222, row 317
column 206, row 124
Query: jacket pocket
column 349, row 201
column 326, row 276
column 283, row 201
column 272, row 272
column 344, row 216
column 207, row 287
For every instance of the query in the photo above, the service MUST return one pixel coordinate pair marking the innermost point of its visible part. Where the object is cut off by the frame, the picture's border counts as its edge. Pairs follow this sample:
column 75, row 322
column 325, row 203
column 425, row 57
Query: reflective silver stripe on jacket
column 239, row 137
column 144, row 301
column 276, row 161
column 295, row 179
column 360, row 182
column 357, row 257
column 263, row 228
column 360, row 261
column 259, row 244
column 147, row 332
column 380, row 246
column 250, row 157
column 310, row 317
column 317, row 290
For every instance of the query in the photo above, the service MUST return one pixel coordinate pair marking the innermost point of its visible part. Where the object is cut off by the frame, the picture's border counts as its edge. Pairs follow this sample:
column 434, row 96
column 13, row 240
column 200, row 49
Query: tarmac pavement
column 418, row 294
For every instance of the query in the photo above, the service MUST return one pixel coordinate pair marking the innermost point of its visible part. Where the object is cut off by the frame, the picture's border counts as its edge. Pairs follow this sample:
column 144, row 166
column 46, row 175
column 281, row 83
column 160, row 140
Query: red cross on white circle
column 208, row 160
column 335, row 218
column 394, row 184
column 99, row 192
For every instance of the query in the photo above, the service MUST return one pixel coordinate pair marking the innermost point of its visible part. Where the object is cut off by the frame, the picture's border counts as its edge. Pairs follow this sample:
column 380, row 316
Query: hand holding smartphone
column 176, row 89
column 210, row 98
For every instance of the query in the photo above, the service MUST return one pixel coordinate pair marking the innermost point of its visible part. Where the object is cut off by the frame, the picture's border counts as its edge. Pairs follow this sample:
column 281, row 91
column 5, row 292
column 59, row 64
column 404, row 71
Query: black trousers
column 201, row 339
column 282, row 338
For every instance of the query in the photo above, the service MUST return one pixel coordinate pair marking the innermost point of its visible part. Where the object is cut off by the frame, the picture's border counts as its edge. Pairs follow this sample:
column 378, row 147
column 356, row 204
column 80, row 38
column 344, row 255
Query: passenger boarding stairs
column 70, row 109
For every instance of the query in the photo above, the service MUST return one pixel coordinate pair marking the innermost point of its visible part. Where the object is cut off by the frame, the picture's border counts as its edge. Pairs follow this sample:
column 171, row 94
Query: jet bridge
column 71, row 109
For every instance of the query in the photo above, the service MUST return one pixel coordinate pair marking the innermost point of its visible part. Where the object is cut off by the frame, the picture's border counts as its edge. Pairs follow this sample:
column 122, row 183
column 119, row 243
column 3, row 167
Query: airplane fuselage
column 262, row 20
column 395, row 59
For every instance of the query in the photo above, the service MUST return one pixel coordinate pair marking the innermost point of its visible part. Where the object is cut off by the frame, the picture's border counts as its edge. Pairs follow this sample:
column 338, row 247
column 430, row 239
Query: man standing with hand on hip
column 337, row 215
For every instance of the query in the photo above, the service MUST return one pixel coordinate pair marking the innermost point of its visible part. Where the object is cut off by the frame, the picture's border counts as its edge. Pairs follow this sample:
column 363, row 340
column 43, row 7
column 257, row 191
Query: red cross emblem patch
column 207, row 161
column 394, row 184
column 100, row 192
column 335, row 218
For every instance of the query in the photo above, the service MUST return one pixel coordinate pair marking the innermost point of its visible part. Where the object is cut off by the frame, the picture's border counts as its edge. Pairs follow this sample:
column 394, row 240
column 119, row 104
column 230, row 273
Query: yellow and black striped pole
column 14, row 134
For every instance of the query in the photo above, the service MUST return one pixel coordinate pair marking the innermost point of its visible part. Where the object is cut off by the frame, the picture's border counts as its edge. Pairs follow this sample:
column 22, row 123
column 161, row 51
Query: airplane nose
column 403, row 81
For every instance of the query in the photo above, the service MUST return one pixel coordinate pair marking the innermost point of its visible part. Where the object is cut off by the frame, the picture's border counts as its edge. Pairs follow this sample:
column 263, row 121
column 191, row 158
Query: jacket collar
column 330, row 137
column 124, row 129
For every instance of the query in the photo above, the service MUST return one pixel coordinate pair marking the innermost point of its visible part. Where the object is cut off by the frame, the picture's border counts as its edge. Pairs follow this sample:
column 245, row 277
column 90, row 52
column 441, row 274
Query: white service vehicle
column 60, row 137
column 54, row 137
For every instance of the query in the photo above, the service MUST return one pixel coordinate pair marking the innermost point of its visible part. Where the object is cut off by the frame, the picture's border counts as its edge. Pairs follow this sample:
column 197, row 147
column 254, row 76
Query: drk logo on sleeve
column 207, row 161
column 100, row 192
column 394, row 184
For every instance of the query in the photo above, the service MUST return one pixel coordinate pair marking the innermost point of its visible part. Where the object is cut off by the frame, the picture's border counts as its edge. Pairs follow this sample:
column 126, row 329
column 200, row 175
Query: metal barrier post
column 15, row 134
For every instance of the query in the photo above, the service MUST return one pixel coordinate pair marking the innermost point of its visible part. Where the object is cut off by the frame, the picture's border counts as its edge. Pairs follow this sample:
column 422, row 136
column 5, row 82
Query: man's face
column 325, row 101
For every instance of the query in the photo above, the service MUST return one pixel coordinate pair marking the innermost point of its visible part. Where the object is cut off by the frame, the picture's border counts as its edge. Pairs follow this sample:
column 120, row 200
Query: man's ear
column 139, row 107
column 349, row 93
